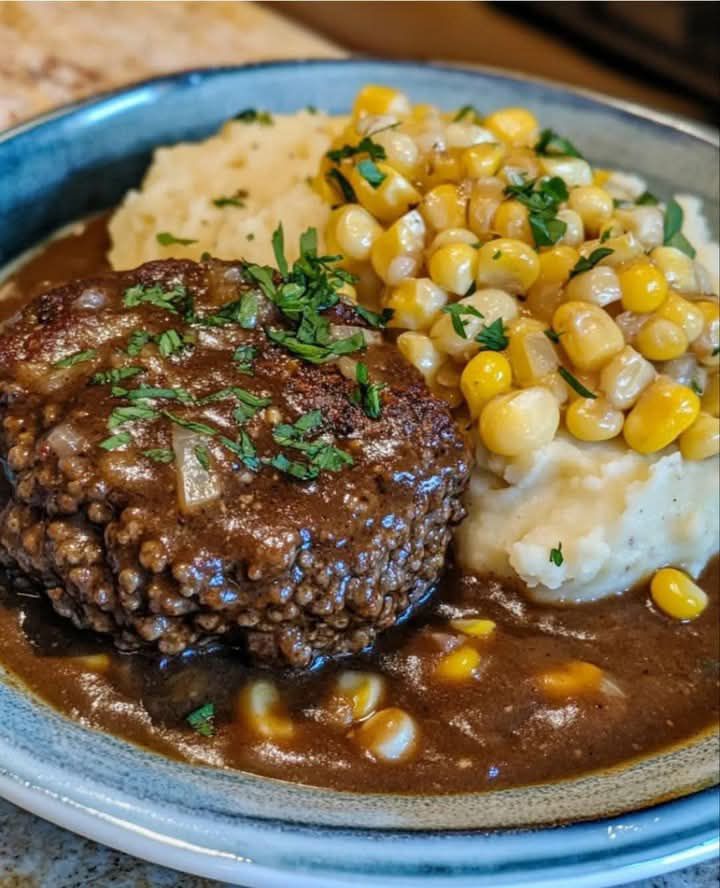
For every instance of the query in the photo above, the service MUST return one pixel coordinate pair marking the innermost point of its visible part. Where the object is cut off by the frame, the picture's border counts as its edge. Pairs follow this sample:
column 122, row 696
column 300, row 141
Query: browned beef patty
column 188, row 514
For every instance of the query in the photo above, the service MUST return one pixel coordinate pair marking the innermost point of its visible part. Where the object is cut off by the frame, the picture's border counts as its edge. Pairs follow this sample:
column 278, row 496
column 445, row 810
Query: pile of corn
column 529, row 297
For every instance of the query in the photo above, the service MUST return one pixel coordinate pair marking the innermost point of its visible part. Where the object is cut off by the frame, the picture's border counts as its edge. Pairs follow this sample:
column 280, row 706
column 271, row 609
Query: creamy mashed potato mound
column 272, row 163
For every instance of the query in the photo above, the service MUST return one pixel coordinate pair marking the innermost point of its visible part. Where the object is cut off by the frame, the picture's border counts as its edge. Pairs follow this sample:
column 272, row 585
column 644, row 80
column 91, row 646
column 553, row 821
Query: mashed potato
column 618, row 515
column 272, row 163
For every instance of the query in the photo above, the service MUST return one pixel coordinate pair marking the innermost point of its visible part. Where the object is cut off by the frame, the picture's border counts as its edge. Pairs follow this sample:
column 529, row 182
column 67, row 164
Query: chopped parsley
column 311, row 109
column 121, row 415
column 695, row 386
column 320, row 455
column 575, row 384
column 159, row 455
column 497, row 255
column 647, row 199
column 365, row 146
column 551, row 144
column 174, row 300
column 606, row 235
column 112, row 377
column 148, row 391
column 375, row 319
column 202, row 720
column 242, row 311
column 233, row 200
column 716, row 350
column 367, row 394
column 248, row 403
column 672, row 229
column 467, row 111
column 586, row 263
column 492, row 337
column 166, row 239
column 200, row 427
column 542, row 198
column 556, row 555
column 244, row 448
column 371, row 172
column 202, row 455
column 79, row 357
column 252, row 115
column 346, row 189
column 137, row 342
column 456, row 310
column 552, row 335
column 170, row 341
column 243, row 357
column 115, row 441
column 293, row 468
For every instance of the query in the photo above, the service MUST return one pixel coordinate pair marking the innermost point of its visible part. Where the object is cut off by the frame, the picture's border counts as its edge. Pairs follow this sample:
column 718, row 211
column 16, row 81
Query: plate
column 266, row 833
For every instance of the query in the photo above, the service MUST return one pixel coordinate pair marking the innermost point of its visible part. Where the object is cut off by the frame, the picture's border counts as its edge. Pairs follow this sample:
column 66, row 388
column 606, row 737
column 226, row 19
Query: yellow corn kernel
column 515, row 126
column 677, row 268
column 482, row 160
column 588, row 334
column 684, row 313
column 625, row 378
column 420, row 351
column 464, row 134
column 451, row 236
column 711, row 395
column 401, row 150
column 390, row 736
column 557, row 387
column 644, row 288
column 374, row 99
column 92, row 662
column 459, row 665
column 424, row 111
column 646, row 223
column 663, row 412
column 351, row 232
column 441, row 167
column 444, row 207
column 706, row 346
column 486, row 375
column 702, row 439
column 261, row 710
column 676, row 595
column 486, row 196
column 593, row 419
column 509, row 264
column 573, row 679
column 593, row 205
column 491, row 304
column 532, row 355
column 474, row 627
column 599, row 285
column 611, row 228
column 520, row 421
column 397, row 253
column 356, row 695
column 449, row 375
column 661, row 340
column 625, row 248
column 520, row 163
column 600, row 177
column 390, row 199
column 453, row 267
column 572, row 170
column 544, row 296
column 415, row 303
column 574, row 233
column 511, row 221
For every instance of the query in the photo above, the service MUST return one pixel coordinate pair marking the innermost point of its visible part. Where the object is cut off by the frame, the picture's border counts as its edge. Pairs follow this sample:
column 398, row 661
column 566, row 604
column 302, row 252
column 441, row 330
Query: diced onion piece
column 196, row 486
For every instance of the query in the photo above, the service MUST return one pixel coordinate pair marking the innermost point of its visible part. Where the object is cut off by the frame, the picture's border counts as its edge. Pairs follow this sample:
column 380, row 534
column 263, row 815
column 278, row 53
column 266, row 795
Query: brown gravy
column 497, row 730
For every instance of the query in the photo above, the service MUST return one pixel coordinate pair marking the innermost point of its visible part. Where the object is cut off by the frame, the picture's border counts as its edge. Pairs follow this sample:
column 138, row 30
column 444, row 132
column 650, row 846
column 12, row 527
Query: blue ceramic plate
column 266, row 833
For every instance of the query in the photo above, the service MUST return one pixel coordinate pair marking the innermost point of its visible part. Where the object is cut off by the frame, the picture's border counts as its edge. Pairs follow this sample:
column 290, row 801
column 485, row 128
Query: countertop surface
column 52, row 53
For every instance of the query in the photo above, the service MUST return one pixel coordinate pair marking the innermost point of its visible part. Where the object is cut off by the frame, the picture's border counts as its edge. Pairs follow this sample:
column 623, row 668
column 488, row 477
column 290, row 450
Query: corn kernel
column 511, row 265
column 557, row 387
column 459, row 665
column 644, row 288
column 474, row 627
column 661, row 340
column 374, row 99
column 532, row 355
column 646, row 223
column 397, row 253
column 544, row 296
column 482, row 160
column 574, row 171
column 415, row 303
column 663, row 412
column 702, row 439
column 356, row 695
column 625, row 248
column 515, row 126
column 442, row 167
column 451, row 236
column 390, row 199
column 351, row 232
column 420, row 351
column 573, row 679
column 600, row 177
column 91, row 662
column 683, row 313
column 444, row 207
column 574, row 233
column 261, row 710
column 520, row 163
column 390, row 736
column 491, row 304
column 706, row 346
column 511, row 220
column 486, row 375
column 593, row 205
column 676, row 595
column 453, row 267
column 677, row 268
column 461, row 134
column 610, row 229
column 588, row 334
column 711, row 395
column 485, row 197
column 401, row 150
column 521, row 421
column 593, row 419
column 625, row 378
column 599, row 285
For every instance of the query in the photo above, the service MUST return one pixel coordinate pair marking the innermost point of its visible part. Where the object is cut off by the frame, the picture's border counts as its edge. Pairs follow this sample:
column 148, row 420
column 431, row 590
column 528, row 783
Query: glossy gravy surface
column 496, row 730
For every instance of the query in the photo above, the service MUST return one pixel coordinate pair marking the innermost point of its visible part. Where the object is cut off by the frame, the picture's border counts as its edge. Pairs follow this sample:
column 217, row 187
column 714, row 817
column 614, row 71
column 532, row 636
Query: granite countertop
column 52, row 53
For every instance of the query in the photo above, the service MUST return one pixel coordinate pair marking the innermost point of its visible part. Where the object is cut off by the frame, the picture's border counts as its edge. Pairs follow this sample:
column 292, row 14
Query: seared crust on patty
column 293, row 569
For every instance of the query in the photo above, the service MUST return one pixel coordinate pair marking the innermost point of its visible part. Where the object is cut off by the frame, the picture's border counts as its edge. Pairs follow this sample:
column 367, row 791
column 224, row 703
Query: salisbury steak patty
column 176, row 475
